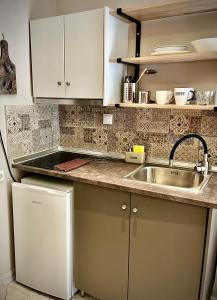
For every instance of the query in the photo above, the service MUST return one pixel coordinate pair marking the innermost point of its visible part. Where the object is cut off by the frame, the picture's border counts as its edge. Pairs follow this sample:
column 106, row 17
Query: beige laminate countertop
column 111, row 174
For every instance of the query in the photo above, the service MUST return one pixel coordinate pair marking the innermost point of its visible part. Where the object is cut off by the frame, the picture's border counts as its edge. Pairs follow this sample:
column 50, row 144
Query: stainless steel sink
column 166, row 176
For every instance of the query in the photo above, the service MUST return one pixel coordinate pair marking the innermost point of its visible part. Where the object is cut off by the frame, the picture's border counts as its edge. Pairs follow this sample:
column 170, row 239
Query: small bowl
column 205, row 45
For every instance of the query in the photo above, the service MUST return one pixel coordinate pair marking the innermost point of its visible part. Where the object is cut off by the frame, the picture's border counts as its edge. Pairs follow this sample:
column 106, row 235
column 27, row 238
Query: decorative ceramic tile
column 158, row 145
column 14, row 123
column 44, row 123
column 183, row 123
column 160, row 151
column 100, row 137
column 43, row 112
column 32, row 128
column 141, row 138
column 77, row 116
column 209, row 113
column 153, row 121
column 82, row 127
column 73, row 140
column 186, row 112
column 67, row 130
column 34, row 123
column 20, row 144
column 25, row 120
column 187, row 152
column 22, row 109
column 158, row 138
column 119, row 141
column 212, row 147
column 123, row 119
column 209, row 125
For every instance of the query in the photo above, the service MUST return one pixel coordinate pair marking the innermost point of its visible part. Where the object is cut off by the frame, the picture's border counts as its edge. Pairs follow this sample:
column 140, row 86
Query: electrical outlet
column 107, row 119
column 1, row 175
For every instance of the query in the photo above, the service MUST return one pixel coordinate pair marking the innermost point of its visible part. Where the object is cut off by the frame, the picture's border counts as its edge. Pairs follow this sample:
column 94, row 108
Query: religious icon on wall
column 7, row 71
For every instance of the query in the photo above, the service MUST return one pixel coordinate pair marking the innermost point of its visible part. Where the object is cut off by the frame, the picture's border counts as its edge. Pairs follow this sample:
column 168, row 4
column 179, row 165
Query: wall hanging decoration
column 7, row 71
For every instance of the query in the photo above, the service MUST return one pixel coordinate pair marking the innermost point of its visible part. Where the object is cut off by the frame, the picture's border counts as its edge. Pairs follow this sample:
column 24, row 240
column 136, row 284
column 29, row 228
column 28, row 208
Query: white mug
column 183, row 95
column 163, row 97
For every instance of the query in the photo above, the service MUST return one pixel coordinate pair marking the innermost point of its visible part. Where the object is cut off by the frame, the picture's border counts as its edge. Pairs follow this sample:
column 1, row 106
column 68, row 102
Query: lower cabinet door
column 101, row 241
column 166, row 249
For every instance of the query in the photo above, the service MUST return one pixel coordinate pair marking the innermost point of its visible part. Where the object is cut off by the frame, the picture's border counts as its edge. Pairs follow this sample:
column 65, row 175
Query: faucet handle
column 199, row 167
column 198, row 163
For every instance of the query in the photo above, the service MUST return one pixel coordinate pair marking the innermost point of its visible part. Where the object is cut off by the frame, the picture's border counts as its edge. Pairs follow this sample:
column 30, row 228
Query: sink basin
column 166, row 176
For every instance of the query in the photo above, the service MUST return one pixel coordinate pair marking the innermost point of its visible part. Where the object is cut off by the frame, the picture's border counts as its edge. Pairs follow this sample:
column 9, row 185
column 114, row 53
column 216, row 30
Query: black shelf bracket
column 138, row 40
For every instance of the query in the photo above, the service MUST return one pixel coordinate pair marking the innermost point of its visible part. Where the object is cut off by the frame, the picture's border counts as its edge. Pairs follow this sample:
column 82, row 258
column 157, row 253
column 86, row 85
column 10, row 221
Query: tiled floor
column 15, row 291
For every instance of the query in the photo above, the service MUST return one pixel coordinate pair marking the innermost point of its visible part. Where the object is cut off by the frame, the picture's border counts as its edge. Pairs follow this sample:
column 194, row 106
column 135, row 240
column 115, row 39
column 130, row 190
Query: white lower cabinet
column 70, row 56
column 135, row 247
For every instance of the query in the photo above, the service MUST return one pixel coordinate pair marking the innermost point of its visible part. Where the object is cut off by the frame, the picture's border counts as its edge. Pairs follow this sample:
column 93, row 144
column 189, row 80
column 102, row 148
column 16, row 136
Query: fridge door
column 43, row 238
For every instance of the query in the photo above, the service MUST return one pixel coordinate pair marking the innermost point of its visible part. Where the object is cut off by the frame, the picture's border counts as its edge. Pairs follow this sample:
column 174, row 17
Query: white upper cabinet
column 47, row 46
column 84, row 55
column 70, row 56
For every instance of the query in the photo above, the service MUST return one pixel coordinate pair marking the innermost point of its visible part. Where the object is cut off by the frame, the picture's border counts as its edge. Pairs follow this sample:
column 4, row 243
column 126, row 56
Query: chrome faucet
column 199, row 166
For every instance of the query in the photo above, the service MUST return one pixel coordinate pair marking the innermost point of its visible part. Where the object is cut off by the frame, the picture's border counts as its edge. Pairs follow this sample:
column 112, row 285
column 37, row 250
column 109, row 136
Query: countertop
column 111, row 174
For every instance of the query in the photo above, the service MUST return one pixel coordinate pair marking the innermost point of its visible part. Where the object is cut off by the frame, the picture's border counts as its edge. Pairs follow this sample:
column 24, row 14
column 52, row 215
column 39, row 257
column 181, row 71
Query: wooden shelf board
column 168, row 106
column 169, row 58
column 167, row 8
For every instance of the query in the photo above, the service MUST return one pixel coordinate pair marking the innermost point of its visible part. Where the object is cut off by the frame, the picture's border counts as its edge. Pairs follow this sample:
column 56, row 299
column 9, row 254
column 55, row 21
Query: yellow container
column 139, row 148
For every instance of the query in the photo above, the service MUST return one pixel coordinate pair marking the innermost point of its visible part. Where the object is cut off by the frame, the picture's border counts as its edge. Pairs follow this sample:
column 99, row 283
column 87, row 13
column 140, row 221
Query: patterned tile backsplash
column 31, row 128
column 35, row 128
column 157, row 129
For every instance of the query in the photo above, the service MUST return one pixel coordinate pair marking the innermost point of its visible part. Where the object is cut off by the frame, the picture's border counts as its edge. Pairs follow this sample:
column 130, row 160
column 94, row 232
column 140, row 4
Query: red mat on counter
column 71, row 165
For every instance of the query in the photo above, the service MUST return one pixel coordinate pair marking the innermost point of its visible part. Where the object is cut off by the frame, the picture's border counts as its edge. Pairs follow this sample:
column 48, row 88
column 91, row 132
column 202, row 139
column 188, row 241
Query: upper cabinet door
column 47, row 47
column 84, row 54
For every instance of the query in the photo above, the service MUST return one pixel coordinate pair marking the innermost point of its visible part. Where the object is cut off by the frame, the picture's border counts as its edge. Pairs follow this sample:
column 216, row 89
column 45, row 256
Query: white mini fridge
column 43, row 233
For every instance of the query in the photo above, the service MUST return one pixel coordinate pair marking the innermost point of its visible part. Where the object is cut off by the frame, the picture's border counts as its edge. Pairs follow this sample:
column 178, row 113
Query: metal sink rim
column 197, row 189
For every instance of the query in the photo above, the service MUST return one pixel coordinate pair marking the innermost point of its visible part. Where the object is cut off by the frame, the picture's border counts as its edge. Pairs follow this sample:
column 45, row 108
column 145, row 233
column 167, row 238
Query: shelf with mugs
column 166, row 106
column 169, row 58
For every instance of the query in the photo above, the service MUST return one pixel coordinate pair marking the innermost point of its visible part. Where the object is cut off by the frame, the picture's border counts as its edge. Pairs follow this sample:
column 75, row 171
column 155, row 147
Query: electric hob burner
column 51, row 160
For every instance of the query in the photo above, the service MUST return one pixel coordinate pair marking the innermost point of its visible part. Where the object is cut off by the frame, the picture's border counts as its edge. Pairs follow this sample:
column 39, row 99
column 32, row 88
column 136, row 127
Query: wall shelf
column 167, row 106
column 167, row 8
column 171, row 58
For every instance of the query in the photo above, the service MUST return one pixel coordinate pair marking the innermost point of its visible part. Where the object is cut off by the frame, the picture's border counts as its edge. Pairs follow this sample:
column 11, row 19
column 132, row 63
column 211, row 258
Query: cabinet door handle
column 124, row 207
column 68, row 83
column 135, row 210
column 59, row 83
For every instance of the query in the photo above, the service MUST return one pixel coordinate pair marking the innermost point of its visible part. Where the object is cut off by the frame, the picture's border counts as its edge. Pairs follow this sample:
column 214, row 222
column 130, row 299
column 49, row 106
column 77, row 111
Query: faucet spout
column 205, row 167
column 170, row 163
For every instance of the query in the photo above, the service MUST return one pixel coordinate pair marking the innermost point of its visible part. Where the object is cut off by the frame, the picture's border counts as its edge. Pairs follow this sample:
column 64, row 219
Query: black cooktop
column 53, row 159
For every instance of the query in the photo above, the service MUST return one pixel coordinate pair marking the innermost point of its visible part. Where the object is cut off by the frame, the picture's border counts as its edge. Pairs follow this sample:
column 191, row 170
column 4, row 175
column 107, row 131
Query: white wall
column 14, row 23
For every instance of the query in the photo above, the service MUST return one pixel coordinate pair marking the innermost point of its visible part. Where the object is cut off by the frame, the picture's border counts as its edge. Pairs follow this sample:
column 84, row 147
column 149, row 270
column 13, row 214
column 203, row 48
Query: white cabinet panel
column 70, row 56
column 115, row 45
column 84, row 54
column 47, row 47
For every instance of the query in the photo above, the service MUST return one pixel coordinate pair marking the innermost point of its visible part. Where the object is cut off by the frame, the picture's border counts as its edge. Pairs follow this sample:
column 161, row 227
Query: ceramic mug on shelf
column 184, row 95
column 164, row 97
